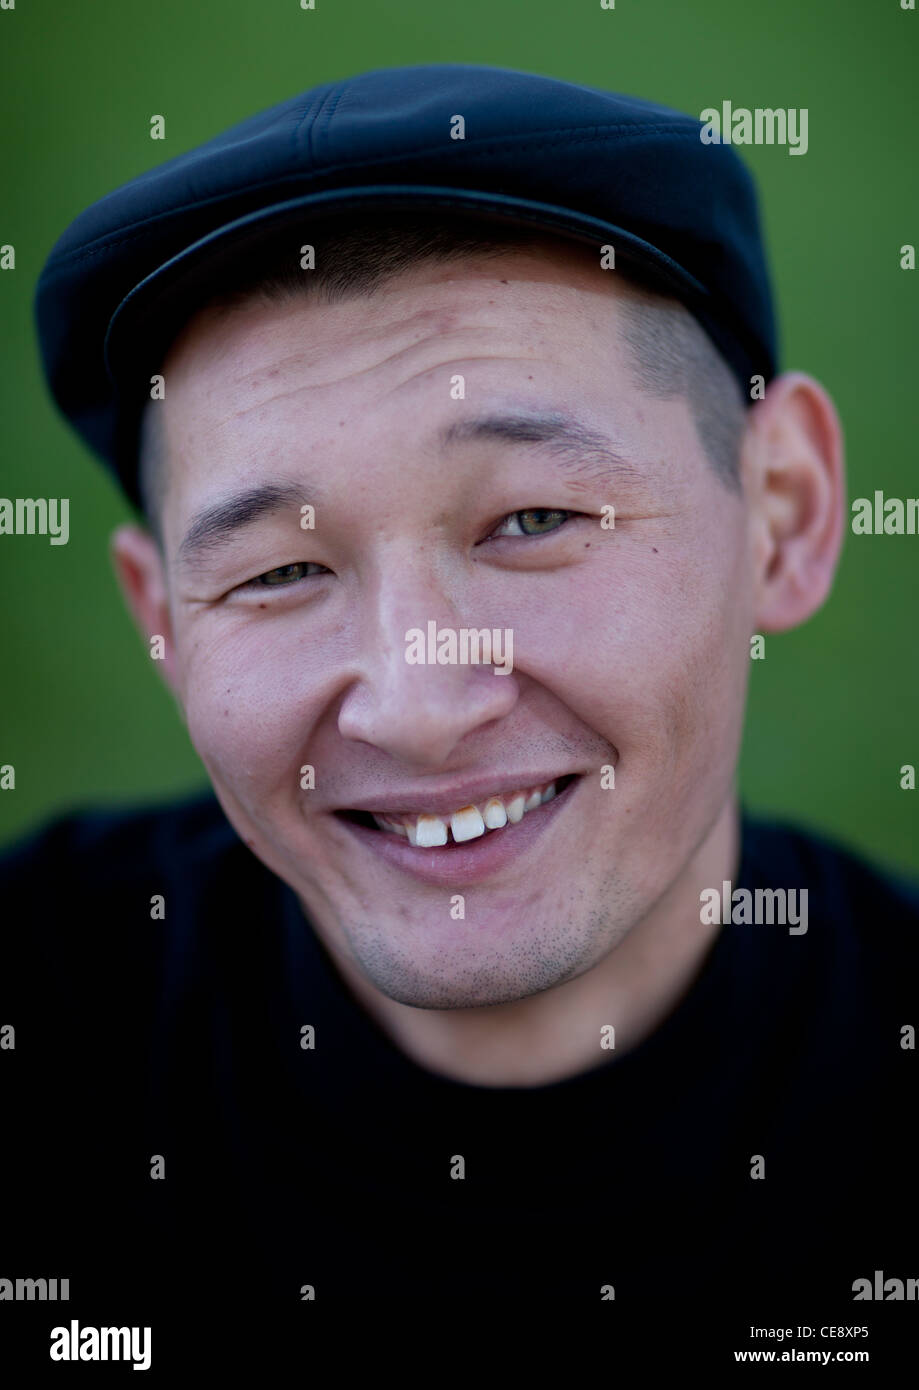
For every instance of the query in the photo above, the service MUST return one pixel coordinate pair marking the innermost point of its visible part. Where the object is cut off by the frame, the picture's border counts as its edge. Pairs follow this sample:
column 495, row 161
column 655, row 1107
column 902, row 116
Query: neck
column 557, row 1033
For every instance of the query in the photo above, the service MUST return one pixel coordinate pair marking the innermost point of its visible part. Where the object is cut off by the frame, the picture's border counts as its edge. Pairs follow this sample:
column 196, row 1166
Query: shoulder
column 101, row 903
column 841, row 876
column 103, row 845
column 863, row 917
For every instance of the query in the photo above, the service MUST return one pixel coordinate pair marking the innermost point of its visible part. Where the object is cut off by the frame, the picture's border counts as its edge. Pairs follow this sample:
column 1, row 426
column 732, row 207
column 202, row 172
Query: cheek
column 247, row 707
column 692, row 672
column 647, row 645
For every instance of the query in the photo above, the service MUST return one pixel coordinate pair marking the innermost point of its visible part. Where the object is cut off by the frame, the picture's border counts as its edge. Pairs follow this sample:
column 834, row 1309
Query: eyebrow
column 216, row 523
column 587, row 453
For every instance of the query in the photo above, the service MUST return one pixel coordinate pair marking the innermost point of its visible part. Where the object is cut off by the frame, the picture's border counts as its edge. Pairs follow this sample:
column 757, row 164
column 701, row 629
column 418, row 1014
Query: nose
column 418, row 711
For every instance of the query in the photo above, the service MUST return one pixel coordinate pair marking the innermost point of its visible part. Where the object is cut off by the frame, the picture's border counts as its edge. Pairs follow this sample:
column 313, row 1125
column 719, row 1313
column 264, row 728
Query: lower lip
column 471, row 862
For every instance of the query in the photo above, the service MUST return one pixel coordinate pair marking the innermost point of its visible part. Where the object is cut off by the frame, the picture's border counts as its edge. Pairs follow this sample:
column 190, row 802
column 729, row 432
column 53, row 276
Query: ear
column 794, row 472
column 141, row 575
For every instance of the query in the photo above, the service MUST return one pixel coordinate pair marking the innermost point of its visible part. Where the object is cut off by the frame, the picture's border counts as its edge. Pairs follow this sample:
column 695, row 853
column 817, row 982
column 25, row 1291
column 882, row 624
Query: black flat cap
column 593, row 165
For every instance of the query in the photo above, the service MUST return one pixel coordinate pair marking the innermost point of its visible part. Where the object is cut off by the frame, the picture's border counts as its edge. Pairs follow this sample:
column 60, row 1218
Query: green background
column 832, row 711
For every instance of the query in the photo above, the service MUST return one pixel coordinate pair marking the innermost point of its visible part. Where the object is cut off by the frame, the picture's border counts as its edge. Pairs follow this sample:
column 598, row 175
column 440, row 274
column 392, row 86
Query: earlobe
column 796, row 471
column 139, row 569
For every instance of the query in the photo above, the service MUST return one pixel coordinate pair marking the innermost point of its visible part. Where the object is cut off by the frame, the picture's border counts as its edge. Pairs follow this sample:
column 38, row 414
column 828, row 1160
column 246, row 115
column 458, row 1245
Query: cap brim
column 151, row 314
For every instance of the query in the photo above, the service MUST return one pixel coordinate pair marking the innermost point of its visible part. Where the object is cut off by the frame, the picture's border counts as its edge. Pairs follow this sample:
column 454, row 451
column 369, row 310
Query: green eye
column 535, row 521
column 286, row 574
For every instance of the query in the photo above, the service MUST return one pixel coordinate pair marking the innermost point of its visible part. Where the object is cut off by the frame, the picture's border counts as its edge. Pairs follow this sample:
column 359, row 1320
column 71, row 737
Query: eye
column 285, row 575
column 535, row 521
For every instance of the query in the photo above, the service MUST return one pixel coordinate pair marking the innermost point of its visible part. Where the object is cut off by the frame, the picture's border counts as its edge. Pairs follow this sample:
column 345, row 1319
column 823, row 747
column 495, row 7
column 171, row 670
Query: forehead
column 370, row 376
column 550, row 285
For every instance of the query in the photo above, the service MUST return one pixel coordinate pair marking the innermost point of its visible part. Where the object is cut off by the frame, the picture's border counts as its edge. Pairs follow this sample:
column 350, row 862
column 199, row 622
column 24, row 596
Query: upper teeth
column 469, row 822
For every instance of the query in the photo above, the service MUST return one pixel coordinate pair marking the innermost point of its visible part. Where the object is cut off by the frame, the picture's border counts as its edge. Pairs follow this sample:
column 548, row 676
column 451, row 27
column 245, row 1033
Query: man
column 468, row 477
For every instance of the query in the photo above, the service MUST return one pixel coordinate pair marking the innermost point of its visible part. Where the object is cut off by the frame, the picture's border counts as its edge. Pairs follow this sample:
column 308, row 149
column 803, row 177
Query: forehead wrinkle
column 354, row 374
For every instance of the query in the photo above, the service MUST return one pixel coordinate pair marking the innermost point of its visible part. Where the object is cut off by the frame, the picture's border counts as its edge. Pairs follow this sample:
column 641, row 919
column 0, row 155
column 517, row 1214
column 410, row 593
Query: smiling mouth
column 472, row 822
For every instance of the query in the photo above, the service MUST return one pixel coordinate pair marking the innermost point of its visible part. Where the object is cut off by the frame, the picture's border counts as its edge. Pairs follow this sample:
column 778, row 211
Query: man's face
column 630, row 643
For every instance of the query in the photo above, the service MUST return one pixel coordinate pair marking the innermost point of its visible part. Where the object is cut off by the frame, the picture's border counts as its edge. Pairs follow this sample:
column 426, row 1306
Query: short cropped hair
column 670, row 353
